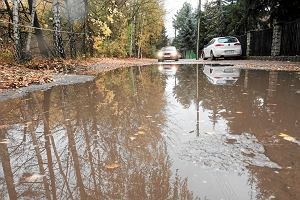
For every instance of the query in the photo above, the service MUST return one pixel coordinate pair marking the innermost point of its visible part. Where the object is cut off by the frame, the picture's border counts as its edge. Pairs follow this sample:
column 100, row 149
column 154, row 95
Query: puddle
column 157, row 132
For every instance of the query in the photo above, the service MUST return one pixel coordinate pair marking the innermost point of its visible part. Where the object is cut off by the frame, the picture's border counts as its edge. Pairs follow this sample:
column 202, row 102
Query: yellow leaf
column 287, row 137
column 141, row 132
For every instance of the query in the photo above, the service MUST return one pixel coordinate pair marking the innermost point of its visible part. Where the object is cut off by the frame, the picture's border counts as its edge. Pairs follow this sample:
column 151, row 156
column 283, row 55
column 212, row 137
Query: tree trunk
column 38, row 153
column 28, row 42
column 8, row 9
column 72, row 146
column 84, row 44
column 6, row 167
column 57, row 36
column 16, row 28
column 73, row 50
column 72, row 45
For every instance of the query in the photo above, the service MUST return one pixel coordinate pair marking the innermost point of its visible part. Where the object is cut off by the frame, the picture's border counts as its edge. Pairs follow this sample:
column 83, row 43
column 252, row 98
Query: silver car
column 168, row 53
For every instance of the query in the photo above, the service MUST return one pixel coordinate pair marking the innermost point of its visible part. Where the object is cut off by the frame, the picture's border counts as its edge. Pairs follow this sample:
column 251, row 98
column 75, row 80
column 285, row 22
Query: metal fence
column 290, row 39
column 42, row 44
column 261, row 42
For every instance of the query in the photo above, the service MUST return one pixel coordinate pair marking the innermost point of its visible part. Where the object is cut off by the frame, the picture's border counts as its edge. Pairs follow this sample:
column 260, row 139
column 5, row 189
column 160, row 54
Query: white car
column 221, row 74
column 222, row 47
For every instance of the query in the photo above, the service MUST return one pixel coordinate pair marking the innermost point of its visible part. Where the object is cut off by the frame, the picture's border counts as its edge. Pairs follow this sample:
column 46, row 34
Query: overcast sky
column 171, row 7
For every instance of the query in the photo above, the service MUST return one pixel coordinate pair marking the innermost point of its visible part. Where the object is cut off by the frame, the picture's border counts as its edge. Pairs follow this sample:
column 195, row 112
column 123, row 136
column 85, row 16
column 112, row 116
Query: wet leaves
column 16, row 77
column 40, row 71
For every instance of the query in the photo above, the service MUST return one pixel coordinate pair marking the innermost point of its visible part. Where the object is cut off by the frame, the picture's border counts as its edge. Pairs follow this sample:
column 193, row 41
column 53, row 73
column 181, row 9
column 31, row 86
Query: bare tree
column 57, row 36
column 16, row 29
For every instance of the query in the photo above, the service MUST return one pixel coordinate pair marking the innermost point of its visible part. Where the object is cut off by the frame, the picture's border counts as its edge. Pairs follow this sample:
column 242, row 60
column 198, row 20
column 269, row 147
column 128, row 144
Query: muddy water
column 158, row 132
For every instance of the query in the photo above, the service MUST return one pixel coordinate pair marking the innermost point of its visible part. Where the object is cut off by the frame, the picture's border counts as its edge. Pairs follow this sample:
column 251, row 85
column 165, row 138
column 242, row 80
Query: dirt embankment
column 13, row 75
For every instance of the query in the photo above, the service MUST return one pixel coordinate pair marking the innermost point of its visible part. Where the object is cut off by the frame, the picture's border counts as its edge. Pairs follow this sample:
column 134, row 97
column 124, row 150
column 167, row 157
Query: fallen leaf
column 287, row 137
column 132, row 138
column 113, row 166
column 33, row 178
column 141, row 132
column 4, row 126
column 5, row 141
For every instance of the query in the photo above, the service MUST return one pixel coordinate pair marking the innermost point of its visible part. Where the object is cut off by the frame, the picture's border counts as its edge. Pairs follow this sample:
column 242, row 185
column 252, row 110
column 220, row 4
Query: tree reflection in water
column 262, row 104
column 98, row 140
column 103, row 139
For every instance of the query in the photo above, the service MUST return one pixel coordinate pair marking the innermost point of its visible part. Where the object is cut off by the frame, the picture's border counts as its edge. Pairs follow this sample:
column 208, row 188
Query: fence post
column 276, row 41
column 248, row 49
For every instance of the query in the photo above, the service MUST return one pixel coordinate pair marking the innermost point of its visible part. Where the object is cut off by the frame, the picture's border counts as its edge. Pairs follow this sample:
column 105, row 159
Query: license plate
column 229, row 52
column 228, row 70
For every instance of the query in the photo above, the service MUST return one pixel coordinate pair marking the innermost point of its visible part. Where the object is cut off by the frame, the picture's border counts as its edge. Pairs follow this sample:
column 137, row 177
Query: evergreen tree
column 185, row 23
column 187, row 36
column 163, row 39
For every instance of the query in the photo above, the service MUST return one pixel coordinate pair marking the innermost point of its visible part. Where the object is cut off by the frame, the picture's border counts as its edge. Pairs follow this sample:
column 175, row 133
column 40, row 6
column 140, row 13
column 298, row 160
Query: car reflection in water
column 221, row 74
column 168, row 69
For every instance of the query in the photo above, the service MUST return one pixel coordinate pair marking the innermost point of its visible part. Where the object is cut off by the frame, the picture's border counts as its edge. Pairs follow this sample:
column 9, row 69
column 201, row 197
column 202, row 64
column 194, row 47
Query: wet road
column 157, row 132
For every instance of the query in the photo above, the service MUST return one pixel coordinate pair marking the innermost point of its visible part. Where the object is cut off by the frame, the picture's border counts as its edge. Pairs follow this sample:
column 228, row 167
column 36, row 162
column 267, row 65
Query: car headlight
column 160, row 54
column 174, row 53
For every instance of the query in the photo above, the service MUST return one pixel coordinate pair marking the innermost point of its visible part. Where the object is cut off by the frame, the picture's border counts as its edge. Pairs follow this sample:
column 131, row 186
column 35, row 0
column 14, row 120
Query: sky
column 171, row 7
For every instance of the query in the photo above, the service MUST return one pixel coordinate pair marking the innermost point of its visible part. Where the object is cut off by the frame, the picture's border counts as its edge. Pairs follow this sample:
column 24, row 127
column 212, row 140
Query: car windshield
column 169, row 49
column 227, row 40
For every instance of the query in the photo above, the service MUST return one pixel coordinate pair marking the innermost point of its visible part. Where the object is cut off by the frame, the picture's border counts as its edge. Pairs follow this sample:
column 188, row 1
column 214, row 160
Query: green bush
column 6, row 54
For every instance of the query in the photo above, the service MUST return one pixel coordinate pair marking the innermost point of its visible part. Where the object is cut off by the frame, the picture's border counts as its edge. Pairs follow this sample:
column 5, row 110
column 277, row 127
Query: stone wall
column 276, row 43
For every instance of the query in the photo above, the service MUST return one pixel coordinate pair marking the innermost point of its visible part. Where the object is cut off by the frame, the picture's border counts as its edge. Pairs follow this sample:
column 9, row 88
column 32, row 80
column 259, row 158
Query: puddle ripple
column 214, row 151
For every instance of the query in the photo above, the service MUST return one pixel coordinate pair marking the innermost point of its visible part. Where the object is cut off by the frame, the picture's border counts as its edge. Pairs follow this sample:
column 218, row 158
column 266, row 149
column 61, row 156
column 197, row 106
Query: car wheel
column 203, row 56
column 212, row 56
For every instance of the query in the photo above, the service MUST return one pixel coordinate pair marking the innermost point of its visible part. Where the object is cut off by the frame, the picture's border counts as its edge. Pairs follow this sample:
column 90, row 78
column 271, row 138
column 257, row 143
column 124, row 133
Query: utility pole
column 198, row 31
